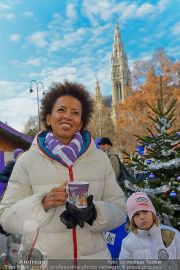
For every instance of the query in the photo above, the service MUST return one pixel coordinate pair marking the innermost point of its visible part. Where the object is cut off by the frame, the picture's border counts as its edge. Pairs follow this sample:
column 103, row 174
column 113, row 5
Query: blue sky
column 50, row 41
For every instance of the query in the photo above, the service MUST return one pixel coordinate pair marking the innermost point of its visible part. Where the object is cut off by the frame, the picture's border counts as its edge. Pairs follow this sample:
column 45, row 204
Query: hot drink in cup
column 78, row 193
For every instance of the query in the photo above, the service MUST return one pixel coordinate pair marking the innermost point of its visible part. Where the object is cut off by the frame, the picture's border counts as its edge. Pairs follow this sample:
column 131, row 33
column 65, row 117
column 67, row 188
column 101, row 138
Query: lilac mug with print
column 78, row 193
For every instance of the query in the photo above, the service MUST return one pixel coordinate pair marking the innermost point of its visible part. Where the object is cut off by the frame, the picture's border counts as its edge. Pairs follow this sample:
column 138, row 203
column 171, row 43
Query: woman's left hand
column 56, row 197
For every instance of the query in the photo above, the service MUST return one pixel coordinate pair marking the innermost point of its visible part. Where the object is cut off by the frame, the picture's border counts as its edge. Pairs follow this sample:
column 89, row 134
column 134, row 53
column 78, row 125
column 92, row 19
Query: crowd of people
column 35, row 206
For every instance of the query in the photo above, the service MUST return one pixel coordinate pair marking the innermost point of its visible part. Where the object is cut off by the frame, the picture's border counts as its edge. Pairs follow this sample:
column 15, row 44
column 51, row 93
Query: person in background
column 113, row 237
column 6, row 172
column 13, row 240
column 36, row 193
column 148, row 239
column 106, row 146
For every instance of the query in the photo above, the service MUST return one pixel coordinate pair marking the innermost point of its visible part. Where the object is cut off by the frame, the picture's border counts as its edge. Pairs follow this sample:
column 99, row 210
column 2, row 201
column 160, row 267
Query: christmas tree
column 159, row 166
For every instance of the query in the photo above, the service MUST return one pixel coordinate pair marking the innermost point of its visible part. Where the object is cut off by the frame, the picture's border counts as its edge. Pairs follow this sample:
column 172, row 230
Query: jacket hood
column 38, row 144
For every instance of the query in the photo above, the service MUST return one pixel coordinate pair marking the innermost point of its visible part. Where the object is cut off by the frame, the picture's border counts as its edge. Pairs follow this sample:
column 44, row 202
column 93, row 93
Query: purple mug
column 78, row 193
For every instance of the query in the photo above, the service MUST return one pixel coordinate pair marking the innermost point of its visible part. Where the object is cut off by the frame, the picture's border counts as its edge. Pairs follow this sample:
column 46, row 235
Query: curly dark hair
column 67, row 88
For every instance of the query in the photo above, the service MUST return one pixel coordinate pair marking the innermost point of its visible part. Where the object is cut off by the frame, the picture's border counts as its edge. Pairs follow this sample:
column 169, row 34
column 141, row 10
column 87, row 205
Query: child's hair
column 134, row 228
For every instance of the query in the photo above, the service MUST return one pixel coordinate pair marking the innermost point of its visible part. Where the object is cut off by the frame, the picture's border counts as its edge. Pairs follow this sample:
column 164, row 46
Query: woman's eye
column 60, row 110
column 76, row 113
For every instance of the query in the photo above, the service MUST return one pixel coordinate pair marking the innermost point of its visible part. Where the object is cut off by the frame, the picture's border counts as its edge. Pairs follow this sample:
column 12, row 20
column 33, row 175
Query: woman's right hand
column 56, row 197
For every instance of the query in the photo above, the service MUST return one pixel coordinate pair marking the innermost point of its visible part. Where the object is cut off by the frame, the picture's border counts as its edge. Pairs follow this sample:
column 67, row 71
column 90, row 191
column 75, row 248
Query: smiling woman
column 63, row 152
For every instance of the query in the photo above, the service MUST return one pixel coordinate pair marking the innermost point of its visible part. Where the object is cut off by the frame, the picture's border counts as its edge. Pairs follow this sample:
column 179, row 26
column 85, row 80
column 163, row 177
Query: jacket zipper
column 74, row 236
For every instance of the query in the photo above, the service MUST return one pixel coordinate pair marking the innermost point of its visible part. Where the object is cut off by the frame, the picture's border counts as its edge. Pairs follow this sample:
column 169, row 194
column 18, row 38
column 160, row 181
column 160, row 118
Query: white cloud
column 81, row 60
column 106, row 9
column 58, row 74
column 9, row 16
column 9, row 89
column 130, row 11
column 71, row 11
column 17, row 114
column 175, row 30
column 56, row 45
column 14, row 37
column 75, row 36
column 56, row 24
column 174, row 50
column 145, row 9
column 35, row 61
column 162, row 5
column 68, row 40
column 100, row 30
column 102, row 8
column 38, row 39
column 16, row 104
column 4, row 6
column 159, row 35
column 28, row 13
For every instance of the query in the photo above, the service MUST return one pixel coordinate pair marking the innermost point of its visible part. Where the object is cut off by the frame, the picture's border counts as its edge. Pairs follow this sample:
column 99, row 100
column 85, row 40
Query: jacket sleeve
column 19, row 205
column 115, row 164
column 111, row 210
column 125, row 253
column 177, row 239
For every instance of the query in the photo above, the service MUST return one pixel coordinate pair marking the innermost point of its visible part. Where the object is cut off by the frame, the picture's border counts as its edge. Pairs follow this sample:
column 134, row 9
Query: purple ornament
column 178, row 133
column 140, row 149
column 178, row 178
column 148, row 161
column 151, row 176
column 173, row 194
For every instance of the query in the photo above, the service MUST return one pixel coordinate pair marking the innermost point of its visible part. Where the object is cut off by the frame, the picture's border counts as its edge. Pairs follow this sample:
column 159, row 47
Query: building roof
column 11, row 132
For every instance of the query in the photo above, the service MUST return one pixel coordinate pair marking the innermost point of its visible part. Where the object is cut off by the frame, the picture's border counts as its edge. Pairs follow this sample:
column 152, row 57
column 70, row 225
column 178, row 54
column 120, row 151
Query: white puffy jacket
column 149, row 244
column 34, row 174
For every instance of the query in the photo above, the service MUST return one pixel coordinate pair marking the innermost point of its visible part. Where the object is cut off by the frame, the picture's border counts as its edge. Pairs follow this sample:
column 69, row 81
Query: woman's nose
column 67, row 115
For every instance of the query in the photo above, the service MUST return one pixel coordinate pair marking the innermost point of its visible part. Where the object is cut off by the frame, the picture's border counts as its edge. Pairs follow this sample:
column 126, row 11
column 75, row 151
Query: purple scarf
column 66, row 154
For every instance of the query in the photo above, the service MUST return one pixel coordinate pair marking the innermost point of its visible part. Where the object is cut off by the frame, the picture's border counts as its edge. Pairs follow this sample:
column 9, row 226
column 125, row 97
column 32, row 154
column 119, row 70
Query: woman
column 36, row 195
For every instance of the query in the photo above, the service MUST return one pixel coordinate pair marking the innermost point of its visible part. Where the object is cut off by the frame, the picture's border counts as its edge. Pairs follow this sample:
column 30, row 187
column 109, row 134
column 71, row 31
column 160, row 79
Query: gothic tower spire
column 98, row 96
column 120, row 73
column 99, row 106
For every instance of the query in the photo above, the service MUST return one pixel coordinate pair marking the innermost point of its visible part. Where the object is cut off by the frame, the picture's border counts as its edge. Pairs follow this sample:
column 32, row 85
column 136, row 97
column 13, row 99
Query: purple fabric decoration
column 17, row 152
column 2, row 188
column 66, row 154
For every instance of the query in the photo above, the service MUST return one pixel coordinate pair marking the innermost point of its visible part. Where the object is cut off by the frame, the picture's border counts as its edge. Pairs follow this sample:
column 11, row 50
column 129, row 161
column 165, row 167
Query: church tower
column 99, row 106
column 120, row 74
column 98, row 96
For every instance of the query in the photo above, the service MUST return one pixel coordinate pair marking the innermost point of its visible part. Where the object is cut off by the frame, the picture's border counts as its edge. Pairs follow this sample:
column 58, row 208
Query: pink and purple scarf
column 66, row 154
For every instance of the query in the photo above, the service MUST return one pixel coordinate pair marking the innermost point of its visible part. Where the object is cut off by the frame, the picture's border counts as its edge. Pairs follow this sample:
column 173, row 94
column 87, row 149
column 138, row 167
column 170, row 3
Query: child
column 148, row 239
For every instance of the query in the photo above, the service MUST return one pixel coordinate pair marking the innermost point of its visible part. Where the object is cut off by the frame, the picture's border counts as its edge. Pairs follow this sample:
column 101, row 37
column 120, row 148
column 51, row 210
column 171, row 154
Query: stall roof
column 14, row 133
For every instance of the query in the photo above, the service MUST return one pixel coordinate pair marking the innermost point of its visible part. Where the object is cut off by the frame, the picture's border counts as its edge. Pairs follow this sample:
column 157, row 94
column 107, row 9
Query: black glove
column 67, row 219
column 81, row 215
column 3, row 232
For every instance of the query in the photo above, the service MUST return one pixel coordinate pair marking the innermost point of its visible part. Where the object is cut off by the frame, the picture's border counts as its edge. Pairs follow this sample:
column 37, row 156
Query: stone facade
column 120, row 78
